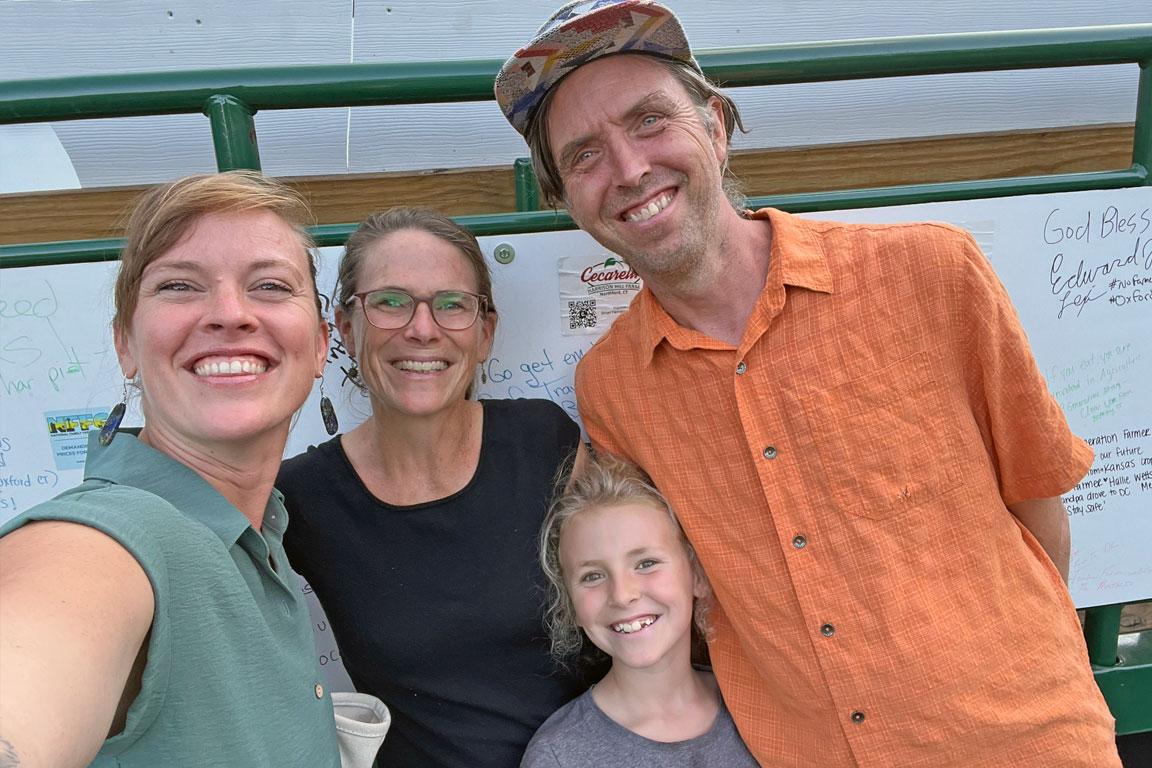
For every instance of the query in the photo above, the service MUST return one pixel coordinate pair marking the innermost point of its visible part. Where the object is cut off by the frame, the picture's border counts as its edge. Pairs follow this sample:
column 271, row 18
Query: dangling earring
column 327, row 412
column 112, row 423
column 483, row 373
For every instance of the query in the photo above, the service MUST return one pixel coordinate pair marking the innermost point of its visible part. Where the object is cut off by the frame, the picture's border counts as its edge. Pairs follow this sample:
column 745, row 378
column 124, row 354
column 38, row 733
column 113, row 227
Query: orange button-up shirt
column 844, row 475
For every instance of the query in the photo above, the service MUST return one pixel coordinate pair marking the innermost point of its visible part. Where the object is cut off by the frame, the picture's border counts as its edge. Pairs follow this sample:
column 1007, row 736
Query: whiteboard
column 1077, row 265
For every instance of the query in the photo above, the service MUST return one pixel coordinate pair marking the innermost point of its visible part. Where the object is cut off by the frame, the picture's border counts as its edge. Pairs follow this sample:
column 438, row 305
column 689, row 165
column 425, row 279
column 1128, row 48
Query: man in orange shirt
column 847, row 418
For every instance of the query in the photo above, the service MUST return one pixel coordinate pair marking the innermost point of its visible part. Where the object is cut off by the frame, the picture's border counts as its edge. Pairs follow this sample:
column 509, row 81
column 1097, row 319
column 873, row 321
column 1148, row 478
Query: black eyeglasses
column 391, row 308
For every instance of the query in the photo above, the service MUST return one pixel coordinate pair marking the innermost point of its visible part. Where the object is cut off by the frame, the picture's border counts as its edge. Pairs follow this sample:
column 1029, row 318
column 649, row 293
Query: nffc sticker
column 68, row 433
column 594, row 290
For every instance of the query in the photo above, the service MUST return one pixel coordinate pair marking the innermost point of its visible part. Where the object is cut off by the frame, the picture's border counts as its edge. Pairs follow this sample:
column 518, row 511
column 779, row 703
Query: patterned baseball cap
column 578, row 33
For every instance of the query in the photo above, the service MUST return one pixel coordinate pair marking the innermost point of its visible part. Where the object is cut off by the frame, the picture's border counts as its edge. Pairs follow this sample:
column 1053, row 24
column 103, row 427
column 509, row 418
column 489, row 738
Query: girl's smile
column 631, row 584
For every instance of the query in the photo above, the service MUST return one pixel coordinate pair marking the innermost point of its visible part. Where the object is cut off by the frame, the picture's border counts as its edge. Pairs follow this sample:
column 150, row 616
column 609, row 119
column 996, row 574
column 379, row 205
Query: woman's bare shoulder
column 75, row 610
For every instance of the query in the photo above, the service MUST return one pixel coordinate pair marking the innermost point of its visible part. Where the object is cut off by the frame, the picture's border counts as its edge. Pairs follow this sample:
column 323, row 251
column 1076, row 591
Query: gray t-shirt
column 580, row 735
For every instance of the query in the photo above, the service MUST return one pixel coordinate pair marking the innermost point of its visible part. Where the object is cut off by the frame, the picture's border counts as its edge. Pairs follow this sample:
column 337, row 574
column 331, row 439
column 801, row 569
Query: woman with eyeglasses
column 417, row 529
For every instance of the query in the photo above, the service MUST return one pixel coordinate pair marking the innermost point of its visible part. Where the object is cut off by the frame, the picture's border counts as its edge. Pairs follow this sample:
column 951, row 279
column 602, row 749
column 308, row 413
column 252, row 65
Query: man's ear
column 718, row 133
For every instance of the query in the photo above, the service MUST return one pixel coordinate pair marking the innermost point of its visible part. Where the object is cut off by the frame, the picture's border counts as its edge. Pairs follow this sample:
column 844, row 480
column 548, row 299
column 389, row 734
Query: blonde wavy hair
column 603, row 481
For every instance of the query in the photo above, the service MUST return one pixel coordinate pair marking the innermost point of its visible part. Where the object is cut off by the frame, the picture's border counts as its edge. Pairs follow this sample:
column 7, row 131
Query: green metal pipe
column 527, row 190
column 38, row 254
column 65, row 252
column 1127, row 686
column 233, row 133
column 166, row 93
column 99, row 96
column 84, row 251
column 1142, row 140
column 524, row 222
column 927, row 55
column 1101, row 631
column 956, row 190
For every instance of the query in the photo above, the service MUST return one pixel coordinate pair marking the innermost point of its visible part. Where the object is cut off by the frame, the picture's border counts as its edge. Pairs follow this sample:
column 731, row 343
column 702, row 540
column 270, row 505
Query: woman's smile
column 420, row 368
column 226, row 327
column 229, row 366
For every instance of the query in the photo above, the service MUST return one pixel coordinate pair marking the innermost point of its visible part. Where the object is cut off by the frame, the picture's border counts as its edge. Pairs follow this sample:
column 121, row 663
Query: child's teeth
column 632, row 626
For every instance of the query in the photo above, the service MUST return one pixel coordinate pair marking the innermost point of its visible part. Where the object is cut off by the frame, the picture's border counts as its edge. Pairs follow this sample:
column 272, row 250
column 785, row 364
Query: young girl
column 623, row 576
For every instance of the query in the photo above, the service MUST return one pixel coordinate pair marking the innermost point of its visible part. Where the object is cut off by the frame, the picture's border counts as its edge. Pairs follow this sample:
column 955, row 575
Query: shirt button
column 857, row 716
column 319, row 691
column 741, row 367
column 799, row 542
column 827, row 630
column 770, row 452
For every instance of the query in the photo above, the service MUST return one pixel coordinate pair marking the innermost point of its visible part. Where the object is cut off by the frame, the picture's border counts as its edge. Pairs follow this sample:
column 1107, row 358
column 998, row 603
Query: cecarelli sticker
column 594, row 290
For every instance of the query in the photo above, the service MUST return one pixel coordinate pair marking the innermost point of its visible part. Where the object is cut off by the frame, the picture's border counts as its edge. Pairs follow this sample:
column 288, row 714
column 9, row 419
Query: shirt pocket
column 886, row 439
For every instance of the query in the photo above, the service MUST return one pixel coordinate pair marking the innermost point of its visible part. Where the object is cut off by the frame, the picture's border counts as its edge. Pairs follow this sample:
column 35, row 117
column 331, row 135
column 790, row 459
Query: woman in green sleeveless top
column 148, row 617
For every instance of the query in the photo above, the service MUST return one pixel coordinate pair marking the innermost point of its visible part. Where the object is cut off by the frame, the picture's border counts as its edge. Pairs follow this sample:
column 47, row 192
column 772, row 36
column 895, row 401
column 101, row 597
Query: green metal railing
column 231, row 97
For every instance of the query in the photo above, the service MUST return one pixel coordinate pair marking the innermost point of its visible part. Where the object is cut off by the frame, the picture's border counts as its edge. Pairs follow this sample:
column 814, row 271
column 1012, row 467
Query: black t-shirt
column 437, row 607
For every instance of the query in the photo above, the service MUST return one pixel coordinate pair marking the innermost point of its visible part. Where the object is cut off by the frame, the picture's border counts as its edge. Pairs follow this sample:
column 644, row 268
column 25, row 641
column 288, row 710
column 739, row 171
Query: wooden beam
column 956, row 158
column 97, row 213
column 85, row 214
column 351, row 198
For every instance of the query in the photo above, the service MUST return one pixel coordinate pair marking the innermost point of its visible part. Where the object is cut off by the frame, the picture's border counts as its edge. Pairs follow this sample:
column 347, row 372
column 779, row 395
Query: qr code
column 581, row 314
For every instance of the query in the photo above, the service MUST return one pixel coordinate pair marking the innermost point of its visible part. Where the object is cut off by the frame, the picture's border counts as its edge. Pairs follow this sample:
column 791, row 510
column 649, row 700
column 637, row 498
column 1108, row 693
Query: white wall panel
column 49, row 38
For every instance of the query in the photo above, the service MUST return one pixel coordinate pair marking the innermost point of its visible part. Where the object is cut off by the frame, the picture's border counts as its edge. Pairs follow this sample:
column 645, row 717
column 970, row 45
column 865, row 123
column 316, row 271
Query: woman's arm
column 75, row 608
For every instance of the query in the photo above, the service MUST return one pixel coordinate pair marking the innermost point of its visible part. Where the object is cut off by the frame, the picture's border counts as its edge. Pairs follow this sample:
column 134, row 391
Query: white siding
column 50, row 38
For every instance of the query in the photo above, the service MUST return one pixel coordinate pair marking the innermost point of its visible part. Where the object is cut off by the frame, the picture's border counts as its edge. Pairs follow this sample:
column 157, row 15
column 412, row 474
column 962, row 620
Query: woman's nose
column 422, row 325
column 230, row 308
